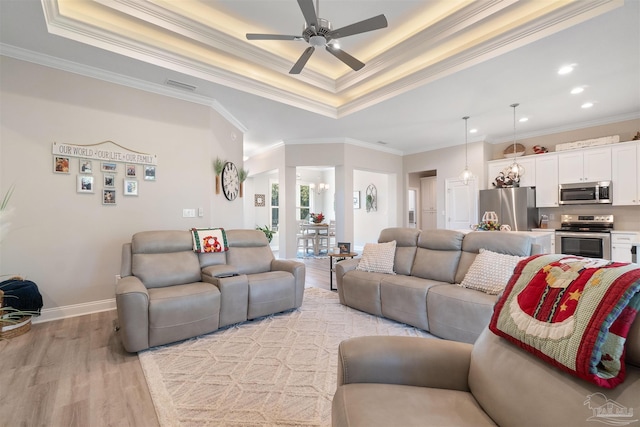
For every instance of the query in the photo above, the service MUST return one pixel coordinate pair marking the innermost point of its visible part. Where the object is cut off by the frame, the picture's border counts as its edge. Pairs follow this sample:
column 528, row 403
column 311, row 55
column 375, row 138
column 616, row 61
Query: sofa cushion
column 404, row 298
column 457, row 313
column 271, row 292
column 490, row 272
column 371, row 405
column 361, row 290
column 182, row 311
column 406, row 245
column 378, row 257
column 165, row 269
column 437, row 255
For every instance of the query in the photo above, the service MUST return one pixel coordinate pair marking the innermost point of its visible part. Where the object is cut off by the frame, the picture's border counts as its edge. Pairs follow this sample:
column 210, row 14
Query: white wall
column 449, row 163
column 69, row 243
column 367, row 225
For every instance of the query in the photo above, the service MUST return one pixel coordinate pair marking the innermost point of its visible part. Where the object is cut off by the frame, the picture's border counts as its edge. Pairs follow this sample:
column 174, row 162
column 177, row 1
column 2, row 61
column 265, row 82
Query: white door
column 461, row 204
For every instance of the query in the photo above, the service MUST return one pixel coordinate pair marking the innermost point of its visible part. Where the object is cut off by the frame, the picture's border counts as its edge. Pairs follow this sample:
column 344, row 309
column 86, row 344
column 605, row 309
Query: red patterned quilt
column 572, row 312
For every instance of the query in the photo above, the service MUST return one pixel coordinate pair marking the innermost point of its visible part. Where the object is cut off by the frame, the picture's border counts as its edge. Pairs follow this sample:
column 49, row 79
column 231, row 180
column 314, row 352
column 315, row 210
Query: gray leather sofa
column 169, row 293
column 410, row 381
column 423, row 292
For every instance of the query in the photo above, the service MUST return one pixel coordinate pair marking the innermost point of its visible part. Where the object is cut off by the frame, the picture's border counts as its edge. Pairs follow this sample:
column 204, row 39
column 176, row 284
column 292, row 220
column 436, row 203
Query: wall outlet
column 200, row 212
column 188, row 213
column 118, row 277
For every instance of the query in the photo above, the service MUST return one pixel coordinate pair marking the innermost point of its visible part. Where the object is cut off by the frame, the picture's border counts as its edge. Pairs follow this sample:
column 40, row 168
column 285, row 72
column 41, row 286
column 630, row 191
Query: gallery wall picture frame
column 130, row 170
column 61, row 164
column 108, row 197
column 356, row 200
column 84, row 184
column 345, row 247
column 109, row 180
column 130, row 187
column 149, row 173
column 86, row 166
column 109, row 167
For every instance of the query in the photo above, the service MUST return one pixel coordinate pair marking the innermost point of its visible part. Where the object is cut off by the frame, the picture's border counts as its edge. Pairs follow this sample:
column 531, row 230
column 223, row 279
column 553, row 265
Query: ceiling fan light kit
column 318, row 33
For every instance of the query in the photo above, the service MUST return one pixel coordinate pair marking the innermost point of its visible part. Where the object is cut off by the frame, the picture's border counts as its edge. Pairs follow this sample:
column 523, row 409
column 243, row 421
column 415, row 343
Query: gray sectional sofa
column 169, row 293
column 423, row 292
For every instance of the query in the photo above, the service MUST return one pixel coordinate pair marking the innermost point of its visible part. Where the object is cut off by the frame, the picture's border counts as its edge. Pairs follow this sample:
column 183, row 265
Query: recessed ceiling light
column 565, row 69
column 587, row 105
column 523, row 119
column 577, row 90
column 473, row 131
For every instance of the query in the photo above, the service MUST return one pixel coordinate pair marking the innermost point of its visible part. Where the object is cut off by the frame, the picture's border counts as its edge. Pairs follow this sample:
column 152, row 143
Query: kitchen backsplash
column 626, row 218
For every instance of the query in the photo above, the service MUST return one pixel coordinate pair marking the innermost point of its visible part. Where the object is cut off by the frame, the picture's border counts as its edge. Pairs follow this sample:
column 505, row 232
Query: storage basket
column 12, row 330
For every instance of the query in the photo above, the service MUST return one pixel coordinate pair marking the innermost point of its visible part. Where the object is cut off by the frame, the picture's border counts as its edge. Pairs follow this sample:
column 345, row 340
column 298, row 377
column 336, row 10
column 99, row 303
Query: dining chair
column 303, row 239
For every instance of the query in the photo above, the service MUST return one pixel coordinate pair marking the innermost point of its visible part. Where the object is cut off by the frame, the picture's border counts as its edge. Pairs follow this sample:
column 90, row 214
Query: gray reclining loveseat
column 170, row 293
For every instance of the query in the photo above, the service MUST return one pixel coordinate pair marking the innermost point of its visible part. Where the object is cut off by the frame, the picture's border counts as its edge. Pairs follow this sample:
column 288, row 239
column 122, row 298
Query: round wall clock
column 230, row 181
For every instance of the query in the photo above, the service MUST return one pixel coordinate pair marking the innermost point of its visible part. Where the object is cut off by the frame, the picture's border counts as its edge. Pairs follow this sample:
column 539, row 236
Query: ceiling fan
column 318, row 33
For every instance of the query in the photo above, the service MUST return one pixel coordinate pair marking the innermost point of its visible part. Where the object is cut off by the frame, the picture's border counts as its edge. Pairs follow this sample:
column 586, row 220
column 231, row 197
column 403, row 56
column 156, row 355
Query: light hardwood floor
column 74, row 372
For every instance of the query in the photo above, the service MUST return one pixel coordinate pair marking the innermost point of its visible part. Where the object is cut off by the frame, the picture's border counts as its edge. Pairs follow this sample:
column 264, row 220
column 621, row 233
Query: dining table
column 317, row 232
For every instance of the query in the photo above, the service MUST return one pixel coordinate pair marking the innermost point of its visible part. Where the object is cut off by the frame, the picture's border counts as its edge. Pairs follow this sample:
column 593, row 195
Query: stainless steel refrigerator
column 515, row 207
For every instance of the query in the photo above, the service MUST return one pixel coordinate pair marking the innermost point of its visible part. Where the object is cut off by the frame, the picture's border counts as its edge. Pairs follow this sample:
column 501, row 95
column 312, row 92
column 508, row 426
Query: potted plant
column 267, row 232
column 218, row 165
column 242, row 176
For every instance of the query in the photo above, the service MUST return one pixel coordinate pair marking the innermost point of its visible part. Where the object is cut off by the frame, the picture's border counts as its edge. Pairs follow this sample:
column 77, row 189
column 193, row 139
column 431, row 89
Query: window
column 302, row 208
column 275, row 206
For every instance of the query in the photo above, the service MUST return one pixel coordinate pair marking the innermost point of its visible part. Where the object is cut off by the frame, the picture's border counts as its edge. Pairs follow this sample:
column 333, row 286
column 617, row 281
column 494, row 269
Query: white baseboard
column 49, row 314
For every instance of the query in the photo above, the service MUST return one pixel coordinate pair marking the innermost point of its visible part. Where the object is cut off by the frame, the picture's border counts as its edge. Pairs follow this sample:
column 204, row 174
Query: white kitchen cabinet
column 625, row 161
column 584, row 165
column 546, row 167
column 621, row 242
column 528, row 163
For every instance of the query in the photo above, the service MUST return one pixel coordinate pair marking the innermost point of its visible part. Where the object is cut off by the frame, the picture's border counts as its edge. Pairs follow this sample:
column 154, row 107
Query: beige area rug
column 279, row 370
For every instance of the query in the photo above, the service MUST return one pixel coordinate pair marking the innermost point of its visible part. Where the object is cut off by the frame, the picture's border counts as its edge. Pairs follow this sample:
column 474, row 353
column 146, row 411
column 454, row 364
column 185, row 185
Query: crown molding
column 119, row 79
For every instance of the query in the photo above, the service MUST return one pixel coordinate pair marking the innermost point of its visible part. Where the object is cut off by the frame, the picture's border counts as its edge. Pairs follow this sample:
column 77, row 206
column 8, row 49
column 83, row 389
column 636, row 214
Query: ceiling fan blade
column 302, row 61
column 309, row 12
column 370, row 24
column 346, row 58
column 272, row 37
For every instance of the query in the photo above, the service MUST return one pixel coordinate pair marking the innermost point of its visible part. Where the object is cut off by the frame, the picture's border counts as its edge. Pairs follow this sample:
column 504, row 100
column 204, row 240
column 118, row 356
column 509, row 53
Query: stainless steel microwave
column 585, row 193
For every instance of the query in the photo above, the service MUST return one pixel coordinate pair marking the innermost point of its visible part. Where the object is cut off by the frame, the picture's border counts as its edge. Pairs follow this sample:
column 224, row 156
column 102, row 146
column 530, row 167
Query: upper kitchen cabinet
column 546, row 166
column 625, row 161
column 494, row 167
column 586, row 165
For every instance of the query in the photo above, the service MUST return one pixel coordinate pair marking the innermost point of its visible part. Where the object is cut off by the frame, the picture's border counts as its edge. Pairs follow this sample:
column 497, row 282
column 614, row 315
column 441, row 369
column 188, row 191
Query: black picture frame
column 345, row 247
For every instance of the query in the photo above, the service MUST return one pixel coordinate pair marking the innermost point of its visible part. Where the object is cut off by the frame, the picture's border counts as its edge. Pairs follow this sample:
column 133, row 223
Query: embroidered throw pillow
column 490, row 272
column 209, row 240
column 378, row 257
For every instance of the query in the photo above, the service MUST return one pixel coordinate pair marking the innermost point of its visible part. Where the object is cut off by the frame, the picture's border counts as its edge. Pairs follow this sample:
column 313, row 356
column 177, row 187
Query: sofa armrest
column 132, row 302
column 342, row 267
column 298, row 270
column 420, row 362
column 218, row 271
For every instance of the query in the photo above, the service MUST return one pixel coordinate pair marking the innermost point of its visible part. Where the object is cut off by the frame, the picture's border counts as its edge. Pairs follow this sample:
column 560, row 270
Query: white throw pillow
column 490, row 272
column 378, row 257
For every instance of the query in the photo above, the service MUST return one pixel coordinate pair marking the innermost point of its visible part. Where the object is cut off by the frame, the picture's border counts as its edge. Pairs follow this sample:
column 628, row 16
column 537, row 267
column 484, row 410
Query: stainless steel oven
column 585, row 235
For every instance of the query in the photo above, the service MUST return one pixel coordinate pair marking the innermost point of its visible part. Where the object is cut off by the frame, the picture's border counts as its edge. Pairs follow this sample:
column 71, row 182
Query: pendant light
column 466, row 174
column 516, row 170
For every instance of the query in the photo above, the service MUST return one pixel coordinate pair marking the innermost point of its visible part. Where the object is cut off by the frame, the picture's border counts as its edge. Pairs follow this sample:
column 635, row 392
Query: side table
column 337, row 258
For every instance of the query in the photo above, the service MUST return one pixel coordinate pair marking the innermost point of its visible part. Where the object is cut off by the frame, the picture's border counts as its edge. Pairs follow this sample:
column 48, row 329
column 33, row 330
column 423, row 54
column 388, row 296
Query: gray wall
column 69, row 243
